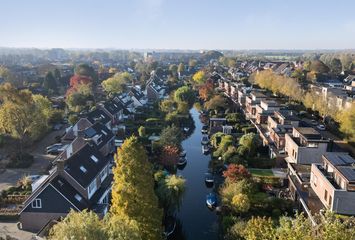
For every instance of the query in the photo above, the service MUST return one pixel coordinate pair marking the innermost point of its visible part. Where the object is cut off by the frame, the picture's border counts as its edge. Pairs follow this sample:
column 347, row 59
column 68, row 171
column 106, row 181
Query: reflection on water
column 196, row 221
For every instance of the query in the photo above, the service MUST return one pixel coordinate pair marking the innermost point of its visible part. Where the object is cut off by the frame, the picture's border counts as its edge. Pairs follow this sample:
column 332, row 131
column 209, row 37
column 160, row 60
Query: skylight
column 104, row 132
column 83, row 169
column 94, row 158
column 78, row 197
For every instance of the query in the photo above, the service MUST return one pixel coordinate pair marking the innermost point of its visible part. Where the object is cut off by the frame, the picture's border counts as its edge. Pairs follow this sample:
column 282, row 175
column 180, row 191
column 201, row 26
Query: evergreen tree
column 49, row 82
column 133, row 194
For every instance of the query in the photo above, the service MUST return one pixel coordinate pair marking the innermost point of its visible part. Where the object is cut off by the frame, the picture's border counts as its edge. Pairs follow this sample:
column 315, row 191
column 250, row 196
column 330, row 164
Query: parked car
column 314, row 122
column 56, row 150
column 56, row 145
column 33, row 178
column 57, row 127
column 321, row 127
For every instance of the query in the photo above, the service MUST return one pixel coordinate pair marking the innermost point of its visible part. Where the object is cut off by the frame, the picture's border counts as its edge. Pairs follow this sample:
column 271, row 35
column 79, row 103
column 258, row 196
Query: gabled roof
column 85, row 165
column 137, row 94
column 112, row 107
column 62, row 186
column 98, row 115
column 99, row 129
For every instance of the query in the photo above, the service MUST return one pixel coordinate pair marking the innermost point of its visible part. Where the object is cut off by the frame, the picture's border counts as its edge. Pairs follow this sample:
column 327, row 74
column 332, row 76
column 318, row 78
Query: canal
column 197, row 222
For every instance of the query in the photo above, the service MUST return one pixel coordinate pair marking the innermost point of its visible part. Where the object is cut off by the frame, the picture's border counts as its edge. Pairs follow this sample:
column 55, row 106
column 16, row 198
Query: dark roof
column 69, row 192
column 339, row 158
column 136, row 93
column 98, row 115
column 348, row 172
column 85, row 165
column 309, row 133
column 113, row 107
column 99, row 129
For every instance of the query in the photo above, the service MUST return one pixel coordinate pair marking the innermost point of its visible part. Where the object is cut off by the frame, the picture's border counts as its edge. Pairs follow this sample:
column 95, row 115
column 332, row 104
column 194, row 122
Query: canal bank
column 196, row 220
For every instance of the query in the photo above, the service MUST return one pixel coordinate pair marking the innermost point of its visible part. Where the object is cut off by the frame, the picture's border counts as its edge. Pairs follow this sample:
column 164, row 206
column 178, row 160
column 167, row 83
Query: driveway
column 10, row 229
column 9, row 177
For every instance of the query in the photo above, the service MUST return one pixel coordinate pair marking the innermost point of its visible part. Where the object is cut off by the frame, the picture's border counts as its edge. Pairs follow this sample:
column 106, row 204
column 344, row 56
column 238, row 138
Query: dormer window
column 78, row 197
column 94, row 158
column 83, row 169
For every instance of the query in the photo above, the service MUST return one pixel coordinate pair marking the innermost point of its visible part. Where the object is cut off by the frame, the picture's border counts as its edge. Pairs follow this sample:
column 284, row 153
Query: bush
column 18, row 161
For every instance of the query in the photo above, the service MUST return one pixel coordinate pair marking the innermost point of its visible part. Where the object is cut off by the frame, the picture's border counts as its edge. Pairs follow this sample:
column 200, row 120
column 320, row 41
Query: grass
column 257, row 172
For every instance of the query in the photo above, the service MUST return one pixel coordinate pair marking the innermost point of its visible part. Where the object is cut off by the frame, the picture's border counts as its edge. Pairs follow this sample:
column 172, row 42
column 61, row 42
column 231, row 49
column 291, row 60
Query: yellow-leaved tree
column 133, row 194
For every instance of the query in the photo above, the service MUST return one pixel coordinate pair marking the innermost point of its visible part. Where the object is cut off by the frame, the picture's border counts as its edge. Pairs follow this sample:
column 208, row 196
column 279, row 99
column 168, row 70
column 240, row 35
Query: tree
column 173, row 68
column 181, row 68
column 170, row 192
column 184, row 94
column 336, row 66
column 119, row 228
column 50, row 83
column 23, row 115
column 346, row 119
column 226, row 141
column 171, row 136
column 250, row 141
column 133, row 194
column 240, row 203
column 199, row 77
column 216, row 103
column 236, row 172
column 86, row 70
column 169, row 155
column 206, row 91
column 230, row 189
column 258, row 228
column 192, row 63
column 117, row 83
column 79, row 225
column 295, row 228
column 183, row 108
column 80, row 98
column 167, row 106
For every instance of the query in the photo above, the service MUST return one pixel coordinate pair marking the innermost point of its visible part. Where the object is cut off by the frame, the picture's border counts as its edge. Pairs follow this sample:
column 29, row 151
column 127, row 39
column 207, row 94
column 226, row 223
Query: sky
column 178, row 24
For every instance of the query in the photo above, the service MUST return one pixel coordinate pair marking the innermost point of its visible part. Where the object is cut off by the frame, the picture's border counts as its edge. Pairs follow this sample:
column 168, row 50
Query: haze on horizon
column 178, row 24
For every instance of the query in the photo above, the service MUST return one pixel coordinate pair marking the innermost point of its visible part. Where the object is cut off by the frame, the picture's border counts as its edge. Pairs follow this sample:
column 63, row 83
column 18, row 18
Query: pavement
column 11, row 229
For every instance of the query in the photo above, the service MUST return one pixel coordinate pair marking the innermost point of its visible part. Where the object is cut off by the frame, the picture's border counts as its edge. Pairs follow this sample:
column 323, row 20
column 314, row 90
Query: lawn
column 258, row 172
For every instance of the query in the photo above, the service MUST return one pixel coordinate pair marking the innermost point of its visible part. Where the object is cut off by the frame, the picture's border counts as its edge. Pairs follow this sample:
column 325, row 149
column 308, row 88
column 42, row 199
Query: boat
column 169, row 226
column 182, row 161
column 204, row 129
column 183, row 154
column 209, row 177
column 205, row 140
column 205, row 149
column 211, row 200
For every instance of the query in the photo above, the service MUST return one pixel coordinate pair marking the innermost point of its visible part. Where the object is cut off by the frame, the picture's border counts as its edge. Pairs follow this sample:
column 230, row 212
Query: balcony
column 329, row 176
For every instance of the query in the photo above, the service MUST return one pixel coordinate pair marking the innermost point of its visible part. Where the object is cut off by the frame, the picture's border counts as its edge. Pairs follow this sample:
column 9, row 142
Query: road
column 9, row 177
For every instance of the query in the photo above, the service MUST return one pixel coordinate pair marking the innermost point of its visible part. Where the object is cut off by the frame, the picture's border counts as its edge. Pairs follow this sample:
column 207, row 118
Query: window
column 92, row 188
column 37, row 203
column 330, row 200
column 315, row 180
column 105, row 133
column 78, row 197
column 94, row 158
column 103, row 174
column 325, row 195
column 83, row 169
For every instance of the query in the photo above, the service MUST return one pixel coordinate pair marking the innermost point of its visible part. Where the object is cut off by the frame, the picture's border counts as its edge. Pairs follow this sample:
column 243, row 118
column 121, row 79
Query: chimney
column 60, row 165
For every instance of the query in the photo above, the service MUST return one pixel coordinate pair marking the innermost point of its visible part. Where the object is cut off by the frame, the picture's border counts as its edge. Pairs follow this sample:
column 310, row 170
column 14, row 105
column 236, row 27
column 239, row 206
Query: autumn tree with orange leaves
column 236, row 172
column 206, row 91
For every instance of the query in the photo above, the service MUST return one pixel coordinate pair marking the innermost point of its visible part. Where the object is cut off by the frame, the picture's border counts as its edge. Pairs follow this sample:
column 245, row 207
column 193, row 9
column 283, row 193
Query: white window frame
column 92, row 188
column 36, row 203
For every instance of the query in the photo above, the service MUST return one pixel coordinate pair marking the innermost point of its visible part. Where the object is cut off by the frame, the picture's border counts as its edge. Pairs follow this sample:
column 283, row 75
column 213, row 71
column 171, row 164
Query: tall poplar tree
column 133, row 194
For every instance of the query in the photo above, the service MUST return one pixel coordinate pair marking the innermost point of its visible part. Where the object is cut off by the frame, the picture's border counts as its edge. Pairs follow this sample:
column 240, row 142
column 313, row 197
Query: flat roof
column 339, row 158
column 309, row 132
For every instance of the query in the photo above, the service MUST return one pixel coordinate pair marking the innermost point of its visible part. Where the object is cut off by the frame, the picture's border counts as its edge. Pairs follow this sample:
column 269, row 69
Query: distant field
column 261, row 172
